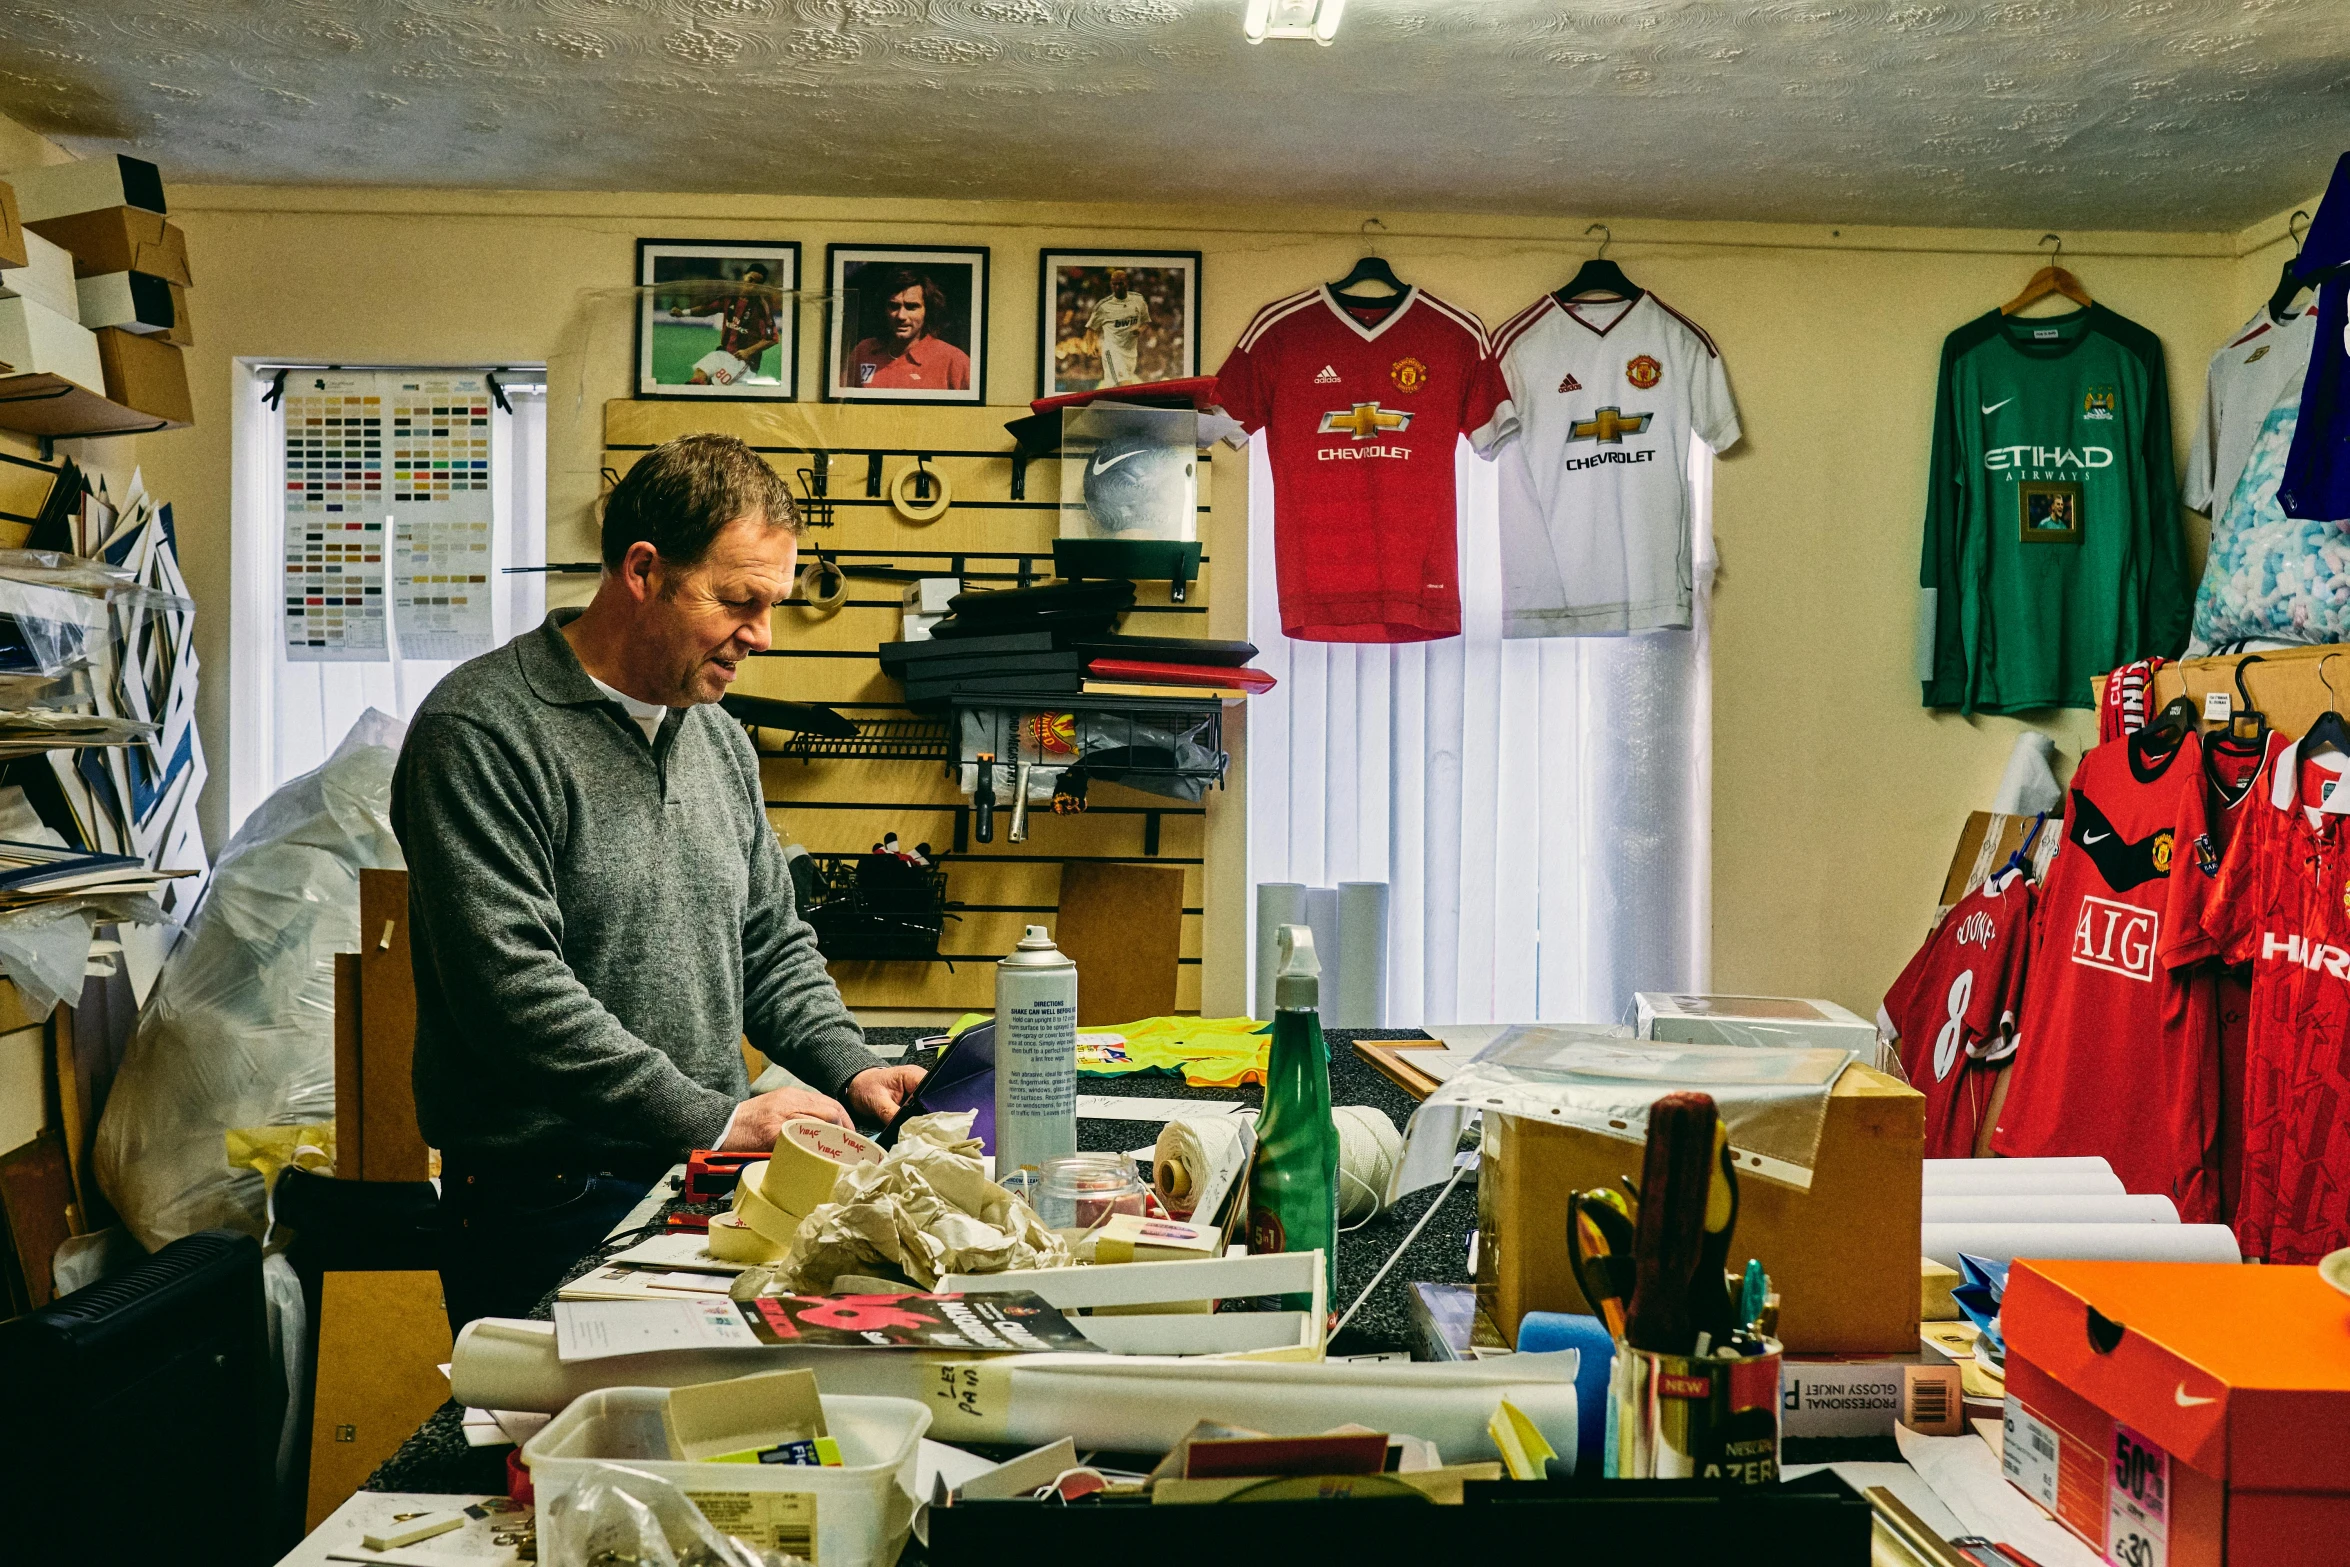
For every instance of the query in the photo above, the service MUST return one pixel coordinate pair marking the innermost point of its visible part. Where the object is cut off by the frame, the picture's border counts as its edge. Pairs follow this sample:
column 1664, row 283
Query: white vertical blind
column 1540, row 808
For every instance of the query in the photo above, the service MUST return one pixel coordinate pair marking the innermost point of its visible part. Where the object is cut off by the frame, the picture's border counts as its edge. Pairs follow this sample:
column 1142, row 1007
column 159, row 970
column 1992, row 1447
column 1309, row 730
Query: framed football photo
column 717, row 319
column 1111, row 318
column 909, row 324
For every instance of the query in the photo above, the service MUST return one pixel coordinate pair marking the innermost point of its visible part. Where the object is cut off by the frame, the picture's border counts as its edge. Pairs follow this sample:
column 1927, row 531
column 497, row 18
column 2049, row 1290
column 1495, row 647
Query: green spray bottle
column 1293, row 1179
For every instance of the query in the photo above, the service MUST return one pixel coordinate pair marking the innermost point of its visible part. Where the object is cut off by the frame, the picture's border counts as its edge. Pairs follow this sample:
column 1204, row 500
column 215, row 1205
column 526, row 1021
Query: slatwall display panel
column 835, row 806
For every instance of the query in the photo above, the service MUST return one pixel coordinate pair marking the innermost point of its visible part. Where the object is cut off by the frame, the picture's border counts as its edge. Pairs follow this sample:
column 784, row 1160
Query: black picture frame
column 1055, row 329
column 720, row 258
column 857, row 335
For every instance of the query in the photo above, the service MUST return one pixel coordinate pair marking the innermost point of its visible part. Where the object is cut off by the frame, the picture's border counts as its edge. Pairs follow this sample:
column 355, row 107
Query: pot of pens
column 1694, row 1392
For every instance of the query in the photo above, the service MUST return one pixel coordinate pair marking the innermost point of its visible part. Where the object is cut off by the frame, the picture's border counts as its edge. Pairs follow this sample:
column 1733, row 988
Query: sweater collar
column 550, row 666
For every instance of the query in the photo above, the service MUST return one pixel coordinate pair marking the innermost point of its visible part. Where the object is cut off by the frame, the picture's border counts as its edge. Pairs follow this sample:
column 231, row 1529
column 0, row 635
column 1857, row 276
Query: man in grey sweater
column 599, row 908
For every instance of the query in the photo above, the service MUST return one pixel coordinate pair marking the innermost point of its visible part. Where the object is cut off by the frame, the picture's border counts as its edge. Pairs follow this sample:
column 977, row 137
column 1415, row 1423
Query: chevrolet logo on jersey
column 1608, row 424
column 1365, row 421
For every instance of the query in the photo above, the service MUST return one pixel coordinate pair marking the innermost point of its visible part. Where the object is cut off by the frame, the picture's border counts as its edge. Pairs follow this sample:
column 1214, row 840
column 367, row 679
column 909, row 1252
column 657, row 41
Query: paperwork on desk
column 1112, row 1107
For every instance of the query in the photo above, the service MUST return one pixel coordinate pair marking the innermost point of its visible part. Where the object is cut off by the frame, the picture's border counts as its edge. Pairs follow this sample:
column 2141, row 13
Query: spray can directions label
column 1043, row 1035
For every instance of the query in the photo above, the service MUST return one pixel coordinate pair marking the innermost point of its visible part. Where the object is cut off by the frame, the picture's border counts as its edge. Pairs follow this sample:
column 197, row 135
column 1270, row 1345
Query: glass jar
column 1077, row 1193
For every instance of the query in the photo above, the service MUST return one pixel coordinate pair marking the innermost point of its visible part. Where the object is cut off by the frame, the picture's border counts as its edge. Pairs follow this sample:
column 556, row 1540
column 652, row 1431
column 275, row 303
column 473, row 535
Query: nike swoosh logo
column 2188, row 1400
column 2095, row 837
column 1101, row 466
column 1995, row 407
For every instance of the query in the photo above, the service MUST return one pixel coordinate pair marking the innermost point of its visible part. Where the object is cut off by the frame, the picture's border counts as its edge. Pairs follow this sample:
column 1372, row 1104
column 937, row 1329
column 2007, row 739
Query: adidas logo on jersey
column 1570, row 384
column 1328, row 377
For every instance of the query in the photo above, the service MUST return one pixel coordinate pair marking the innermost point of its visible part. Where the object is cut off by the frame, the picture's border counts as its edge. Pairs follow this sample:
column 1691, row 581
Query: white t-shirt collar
column 648, row 715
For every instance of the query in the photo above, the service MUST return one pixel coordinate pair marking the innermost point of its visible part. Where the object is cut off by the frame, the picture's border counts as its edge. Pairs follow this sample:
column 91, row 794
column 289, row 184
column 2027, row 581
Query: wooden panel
column 1123, row 926
column 36, row 1198
column 350, row 1081
column 381, row 1340
column 387, row 1031
column 845, row 807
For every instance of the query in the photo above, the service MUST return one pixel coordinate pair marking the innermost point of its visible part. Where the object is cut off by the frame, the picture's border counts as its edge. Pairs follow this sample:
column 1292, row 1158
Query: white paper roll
column 1322, row 919
column 1360, row 999
column 1196, row 1162
column 2076, row 1176
column 509, row 1363
column 1279, row 903
column 2047, row 1208
column 2112, row 1242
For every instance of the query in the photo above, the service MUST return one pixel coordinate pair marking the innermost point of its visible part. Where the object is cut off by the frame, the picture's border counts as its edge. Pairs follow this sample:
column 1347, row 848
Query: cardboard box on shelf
column 45, row 278
column 133, row 301
column 182, row 331
column 35, row 340
column 2176, row 1412
column 1985, row 844
column 60, row 190
column 12, row 252
column 1842, row 1256
column 145, row 373
column 120, row 239
column 2286, row 684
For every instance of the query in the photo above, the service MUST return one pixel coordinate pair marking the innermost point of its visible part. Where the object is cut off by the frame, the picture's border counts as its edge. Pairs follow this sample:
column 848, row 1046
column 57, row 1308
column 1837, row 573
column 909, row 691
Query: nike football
column 1135, row 486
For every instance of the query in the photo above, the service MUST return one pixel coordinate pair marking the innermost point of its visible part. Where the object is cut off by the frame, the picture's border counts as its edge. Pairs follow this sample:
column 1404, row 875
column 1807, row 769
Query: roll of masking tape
column 746, row 1180
column 824, row 586
column 731, row 1240
column 906, row 491
column 808, row 1158
column 774, row 1223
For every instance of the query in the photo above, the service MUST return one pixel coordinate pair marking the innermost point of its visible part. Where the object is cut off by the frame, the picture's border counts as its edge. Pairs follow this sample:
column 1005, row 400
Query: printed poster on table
column 334, row 521
column 442, row 514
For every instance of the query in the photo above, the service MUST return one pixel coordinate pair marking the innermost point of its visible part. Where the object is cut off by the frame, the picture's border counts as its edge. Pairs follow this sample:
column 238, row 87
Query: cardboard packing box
column 45, row 278
column 60, row 190
column 12, row 251
column 145, row 373
column 133, row 301
column 2189, row 1414
column 35, row 340
column 182, row 331
column 120, row 239
column 1843, row 1256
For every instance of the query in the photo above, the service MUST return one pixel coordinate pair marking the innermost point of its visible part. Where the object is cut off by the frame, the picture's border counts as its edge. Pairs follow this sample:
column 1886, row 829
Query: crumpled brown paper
column 926, row 1210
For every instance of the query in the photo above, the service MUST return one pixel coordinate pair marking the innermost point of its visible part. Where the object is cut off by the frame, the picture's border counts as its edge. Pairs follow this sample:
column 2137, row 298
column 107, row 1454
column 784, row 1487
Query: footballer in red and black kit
column 2119, row 1056
column 1954, row 1008
column 2281, row 902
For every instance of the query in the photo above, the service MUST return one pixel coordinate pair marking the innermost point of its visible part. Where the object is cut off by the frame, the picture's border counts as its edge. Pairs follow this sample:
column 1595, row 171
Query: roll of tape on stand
column 824, row 586
column 902, row 494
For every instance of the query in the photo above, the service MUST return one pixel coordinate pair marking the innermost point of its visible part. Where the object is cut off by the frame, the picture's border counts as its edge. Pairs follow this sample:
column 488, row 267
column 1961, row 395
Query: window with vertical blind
column 1539, row 808
column 341, row 477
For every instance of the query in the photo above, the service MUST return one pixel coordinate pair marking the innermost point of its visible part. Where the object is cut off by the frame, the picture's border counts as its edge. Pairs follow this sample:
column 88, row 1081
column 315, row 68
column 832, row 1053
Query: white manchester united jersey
column 1595, row 525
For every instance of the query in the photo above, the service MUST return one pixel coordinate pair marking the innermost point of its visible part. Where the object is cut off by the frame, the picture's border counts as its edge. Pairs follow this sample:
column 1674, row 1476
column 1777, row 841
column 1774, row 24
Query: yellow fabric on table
column 1206, row 1052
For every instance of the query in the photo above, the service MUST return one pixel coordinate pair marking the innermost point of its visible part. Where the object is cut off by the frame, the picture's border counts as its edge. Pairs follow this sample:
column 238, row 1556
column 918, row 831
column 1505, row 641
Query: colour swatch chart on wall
column 334, row 528
column 442, row 515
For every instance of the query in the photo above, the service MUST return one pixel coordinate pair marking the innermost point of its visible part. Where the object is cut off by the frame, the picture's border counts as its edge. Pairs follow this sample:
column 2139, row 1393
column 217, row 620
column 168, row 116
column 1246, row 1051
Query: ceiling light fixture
column 1315, row 19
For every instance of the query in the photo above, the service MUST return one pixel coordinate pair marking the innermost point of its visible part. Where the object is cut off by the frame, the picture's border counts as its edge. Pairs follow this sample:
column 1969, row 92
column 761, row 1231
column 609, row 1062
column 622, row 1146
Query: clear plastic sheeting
column 626, row 1515
column 239, row 1031
column 1602, row 1080
column 45, row 948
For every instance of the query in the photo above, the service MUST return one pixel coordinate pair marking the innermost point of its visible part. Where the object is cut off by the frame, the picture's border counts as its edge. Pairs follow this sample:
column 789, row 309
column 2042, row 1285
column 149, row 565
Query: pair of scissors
column 1599, row 1245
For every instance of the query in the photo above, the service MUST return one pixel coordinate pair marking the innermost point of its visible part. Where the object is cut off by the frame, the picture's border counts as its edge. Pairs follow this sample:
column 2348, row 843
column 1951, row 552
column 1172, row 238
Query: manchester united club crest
column 1643, row 371
column 2346, row 895
column 2161, row 846
column 1409, row 374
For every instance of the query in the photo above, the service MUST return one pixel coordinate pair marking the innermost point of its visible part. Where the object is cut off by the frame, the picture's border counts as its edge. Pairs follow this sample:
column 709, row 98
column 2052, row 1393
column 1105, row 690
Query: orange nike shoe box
column 2182, row 1414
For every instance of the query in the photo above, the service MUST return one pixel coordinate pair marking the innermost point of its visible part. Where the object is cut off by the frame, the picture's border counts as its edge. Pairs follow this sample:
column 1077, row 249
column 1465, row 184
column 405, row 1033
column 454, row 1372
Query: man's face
column 906, row 313
column 1118, row 284
column 703, row 620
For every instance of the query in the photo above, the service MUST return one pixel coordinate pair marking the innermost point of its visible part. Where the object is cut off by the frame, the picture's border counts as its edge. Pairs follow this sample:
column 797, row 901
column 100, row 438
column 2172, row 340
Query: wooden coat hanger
column 2050, row 279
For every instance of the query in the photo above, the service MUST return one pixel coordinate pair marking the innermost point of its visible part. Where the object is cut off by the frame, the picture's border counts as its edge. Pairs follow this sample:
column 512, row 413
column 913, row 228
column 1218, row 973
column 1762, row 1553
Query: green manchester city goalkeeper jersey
column 2053, row 550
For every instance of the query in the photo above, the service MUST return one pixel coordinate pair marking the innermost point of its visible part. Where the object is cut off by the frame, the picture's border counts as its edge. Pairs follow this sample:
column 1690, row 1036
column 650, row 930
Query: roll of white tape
column 747, row 1180
column 809, row 1156
column 763, row 1216
column 731, row 1240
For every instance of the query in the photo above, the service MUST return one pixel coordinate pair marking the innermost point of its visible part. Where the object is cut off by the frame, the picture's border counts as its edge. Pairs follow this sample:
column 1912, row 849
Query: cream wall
column 1837, row 798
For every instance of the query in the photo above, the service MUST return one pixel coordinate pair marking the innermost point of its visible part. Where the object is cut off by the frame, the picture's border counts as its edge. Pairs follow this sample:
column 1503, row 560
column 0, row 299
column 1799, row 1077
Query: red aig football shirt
column 1954, row 1007
column 2116, row 1052
column 1361, row 408
column 2236, row 781
column 2281, row 902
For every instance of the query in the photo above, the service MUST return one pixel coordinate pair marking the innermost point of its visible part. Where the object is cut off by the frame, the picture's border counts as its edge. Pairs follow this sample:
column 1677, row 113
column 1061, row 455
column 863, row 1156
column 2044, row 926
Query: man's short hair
column 682, row 494
column 755, row 267
column 934, row 298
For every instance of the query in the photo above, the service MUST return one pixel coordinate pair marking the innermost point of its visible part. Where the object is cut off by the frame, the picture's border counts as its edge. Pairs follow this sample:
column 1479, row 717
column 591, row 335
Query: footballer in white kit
column 1595, row 502
column 1116, row 323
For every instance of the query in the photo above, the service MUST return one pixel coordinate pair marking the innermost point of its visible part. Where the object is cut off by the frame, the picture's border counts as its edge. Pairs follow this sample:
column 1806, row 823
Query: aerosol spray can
column 1035, row 1056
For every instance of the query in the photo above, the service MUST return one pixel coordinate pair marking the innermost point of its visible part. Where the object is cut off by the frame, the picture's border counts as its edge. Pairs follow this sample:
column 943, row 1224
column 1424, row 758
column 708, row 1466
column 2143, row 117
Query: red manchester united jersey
column 1954, row 1009
column 2236, row 780
column 2117, row 1054
column 2281, row 902
column 1361, row 409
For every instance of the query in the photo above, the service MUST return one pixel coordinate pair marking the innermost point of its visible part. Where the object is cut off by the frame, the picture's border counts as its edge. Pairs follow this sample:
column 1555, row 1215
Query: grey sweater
column 595, row 921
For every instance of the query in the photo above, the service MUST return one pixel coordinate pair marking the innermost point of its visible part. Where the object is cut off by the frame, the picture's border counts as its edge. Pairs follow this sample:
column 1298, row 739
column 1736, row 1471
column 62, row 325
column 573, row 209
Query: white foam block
column 46, row 278
column 35, row 339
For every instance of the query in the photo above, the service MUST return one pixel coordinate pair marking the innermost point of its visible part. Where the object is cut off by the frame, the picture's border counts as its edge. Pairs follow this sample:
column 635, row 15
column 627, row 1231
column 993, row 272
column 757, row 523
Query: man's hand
column 877, row 1092
column 756, row 1121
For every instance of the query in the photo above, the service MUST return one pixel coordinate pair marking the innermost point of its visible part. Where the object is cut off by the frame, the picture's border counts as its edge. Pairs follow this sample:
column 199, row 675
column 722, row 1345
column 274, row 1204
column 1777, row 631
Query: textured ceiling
column 2085, row 113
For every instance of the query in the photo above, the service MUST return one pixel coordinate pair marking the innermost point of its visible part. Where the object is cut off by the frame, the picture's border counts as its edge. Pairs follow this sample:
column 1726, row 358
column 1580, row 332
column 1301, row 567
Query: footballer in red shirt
column 1362, row 405
column 1954, row 1009
column 908, row 356
column 2281, row 902
column 2118, row 1053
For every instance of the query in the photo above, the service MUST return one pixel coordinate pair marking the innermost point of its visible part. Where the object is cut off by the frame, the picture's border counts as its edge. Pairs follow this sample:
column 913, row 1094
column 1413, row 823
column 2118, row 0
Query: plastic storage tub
column 863, row 1510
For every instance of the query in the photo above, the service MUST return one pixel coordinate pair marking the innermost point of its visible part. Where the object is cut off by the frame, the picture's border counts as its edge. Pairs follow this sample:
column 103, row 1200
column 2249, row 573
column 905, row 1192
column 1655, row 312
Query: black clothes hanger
column 2245, row 709
column 1600, row 275
column 2288, row 286
column 2175, row 722
column 1371, row 269
column 2329, row 730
